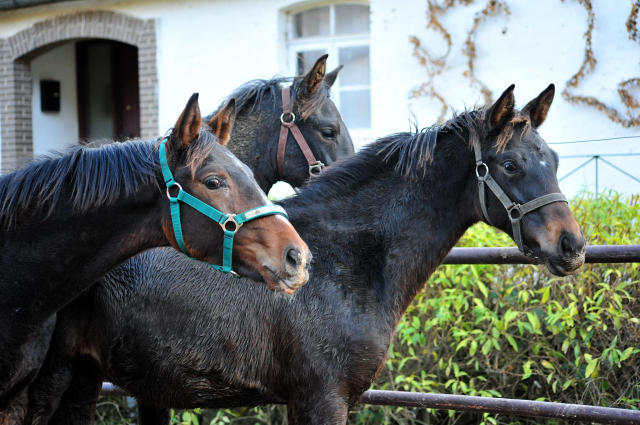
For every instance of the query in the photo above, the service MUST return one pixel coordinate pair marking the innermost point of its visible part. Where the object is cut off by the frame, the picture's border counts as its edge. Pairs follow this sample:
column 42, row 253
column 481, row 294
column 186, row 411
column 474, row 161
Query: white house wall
column 55, row 130
column 211, row 47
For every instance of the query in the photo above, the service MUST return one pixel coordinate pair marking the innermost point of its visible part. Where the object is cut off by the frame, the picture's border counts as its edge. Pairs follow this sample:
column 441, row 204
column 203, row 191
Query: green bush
column 520, row 332
column 513, row 331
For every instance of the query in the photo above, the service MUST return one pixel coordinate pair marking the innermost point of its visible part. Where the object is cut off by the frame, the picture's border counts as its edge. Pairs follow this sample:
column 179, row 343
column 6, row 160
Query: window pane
column 355, row 108
column 305, row 60
column 352, row 19
column 312, row 22
column 356, row 65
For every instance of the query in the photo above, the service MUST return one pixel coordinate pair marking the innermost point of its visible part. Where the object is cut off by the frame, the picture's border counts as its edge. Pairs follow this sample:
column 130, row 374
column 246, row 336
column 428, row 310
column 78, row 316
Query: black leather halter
column 515, row 211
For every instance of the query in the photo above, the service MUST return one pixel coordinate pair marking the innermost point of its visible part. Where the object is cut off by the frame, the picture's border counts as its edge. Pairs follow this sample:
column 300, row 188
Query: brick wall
column 17, row 51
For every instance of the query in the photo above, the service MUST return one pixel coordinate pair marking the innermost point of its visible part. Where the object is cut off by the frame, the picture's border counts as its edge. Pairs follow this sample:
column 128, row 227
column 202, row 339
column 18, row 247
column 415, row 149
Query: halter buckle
column 231, row 219
column 174, row 184
column 316, row 168
column 486, row 170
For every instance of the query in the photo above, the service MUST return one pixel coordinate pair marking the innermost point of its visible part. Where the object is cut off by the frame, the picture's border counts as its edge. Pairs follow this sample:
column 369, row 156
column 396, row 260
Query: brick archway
column 17, row 51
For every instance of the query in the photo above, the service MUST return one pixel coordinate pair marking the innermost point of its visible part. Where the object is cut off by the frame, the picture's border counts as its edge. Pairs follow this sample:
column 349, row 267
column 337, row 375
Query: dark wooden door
column 126, row 101
column 108, row 91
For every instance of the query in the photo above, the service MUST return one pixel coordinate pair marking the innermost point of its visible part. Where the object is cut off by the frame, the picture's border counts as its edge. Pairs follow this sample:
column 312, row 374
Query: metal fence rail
column 595, row 254
column 570, row 412
column 540, row 409
column 465, row 403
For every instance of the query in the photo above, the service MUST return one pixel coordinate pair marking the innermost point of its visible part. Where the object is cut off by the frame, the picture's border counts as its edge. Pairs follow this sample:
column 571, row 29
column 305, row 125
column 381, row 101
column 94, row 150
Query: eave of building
column 20, row 4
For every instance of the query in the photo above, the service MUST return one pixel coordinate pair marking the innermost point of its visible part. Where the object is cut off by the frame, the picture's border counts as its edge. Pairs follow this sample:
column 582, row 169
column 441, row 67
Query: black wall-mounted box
column 49, row 96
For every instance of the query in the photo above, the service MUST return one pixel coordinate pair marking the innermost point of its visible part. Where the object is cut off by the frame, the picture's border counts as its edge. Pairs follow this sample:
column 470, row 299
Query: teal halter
column 234, row 220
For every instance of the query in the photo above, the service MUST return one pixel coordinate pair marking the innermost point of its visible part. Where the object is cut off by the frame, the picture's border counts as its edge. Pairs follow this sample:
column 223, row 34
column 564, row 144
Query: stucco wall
column 213, row 46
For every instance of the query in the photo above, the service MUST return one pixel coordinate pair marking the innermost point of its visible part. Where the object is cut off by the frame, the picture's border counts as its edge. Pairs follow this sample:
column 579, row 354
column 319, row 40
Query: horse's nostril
column 570, row 245
column 291, row 258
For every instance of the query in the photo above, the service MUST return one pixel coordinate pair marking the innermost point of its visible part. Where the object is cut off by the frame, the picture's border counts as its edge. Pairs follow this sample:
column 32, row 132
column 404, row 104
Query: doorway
column 108, row 92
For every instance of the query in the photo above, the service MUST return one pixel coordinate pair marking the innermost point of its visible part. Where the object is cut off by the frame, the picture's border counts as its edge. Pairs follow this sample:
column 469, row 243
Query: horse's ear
column 313, row 80
column 537, row 109
column 503, row 110
column 330, row 78
column 186, row 128
column 222, row 122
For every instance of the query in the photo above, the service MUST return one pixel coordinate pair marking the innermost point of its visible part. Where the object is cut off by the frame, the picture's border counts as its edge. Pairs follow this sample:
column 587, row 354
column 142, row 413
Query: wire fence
column 597, row 159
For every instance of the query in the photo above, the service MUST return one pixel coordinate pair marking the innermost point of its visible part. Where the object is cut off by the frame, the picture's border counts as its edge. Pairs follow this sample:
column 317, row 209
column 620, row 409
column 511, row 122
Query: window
column 342, row 31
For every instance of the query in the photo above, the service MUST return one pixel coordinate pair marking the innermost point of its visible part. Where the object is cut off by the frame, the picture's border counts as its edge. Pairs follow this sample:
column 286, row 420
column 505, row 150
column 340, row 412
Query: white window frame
column 331, row 44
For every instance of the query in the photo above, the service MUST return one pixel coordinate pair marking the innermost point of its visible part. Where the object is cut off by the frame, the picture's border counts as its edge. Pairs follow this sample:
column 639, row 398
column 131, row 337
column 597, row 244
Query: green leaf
column 546, row 291
column 486, row 348
column 626, row 353
column 535, row 322
column 473, row 348
column 482, row 288
column 513, row 343
column 547, row 364
column 591, row 367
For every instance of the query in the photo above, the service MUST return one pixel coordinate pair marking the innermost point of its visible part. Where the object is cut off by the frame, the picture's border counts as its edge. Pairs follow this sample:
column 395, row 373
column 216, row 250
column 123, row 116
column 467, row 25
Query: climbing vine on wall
column 493, row 8
column 588, row 65
column 435, row 65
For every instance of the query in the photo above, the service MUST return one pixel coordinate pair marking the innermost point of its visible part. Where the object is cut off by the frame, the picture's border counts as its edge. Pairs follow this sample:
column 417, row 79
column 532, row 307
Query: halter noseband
column 515, row 211
column 230, row 223
column 315, row 166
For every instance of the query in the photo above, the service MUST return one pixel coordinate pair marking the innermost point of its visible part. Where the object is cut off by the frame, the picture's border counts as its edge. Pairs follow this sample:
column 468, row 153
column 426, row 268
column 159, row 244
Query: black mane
column 408, row 153
column 94, row 175
column 250, row 95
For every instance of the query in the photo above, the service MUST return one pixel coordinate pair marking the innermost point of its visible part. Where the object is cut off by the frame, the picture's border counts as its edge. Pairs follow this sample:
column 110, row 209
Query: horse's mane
column 409, row 153
column 96, row 175
column 250, row 95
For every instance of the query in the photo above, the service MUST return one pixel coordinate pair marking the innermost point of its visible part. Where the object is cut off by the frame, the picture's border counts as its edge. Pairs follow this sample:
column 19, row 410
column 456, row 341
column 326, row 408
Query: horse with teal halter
column 230, row 223
column 68, row 219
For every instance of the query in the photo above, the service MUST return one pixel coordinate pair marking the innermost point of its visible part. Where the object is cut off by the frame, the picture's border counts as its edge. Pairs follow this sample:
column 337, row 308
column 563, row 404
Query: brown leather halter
column 315, row 166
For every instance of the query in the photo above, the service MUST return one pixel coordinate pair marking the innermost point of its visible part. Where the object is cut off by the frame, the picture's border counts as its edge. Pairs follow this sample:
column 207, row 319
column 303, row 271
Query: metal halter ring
column 515, row 207
column 486, row 170
column 231, row 218
column 293, row 117
column 174, row 184
column 316, row 168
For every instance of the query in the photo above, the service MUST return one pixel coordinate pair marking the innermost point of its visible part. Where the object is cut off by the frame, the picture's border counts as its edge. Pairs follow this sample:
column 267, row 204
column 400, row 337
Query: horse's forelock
column 200, row 149
column 309, row 103
column 251, row 94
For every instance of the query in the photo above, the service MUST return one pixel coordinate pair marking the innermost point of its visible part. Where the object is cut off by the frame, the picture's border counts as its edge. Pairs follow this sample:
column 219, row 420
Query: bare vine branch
column 588, row 65
column 435, row 65
column 492, row 8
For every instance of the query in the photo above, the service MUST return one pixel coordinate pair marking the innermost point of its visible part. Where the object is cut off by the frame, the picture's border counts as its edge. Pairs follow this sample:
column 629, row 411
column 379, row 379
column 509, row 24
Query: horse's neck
column 390, row 234
column 59, row 257
column 254, row 141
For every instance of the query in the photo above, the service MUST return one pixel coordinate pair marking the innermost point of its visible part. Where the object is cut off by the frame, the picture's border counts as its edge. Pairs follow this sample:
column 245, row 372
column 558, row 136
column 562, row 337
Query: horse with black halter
column 68, row 219
column 288, row 129
column 378, row 224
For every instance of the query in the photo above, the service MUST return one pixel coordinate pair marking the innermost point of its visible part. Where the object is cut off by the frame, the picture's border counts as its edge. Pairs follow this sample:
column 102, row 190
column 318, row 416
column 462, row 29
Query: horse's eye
column 213, row 183
column 510, row 167
column 328, row 133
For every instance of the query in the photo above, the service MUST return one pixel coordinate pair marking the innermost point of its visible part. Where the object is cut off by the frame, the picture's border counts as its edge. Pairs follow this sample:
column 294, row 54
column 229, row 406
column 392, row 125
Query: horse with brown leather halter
column 318, row 136
column 315, row 166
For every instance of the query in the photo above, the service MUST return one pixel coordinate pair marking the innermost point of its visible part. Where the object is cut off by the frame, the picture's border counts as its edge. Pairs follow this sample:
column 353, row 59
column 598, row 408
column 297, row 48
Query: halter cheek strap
column 288, row 122
column 515, row 211
column 230, row 223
